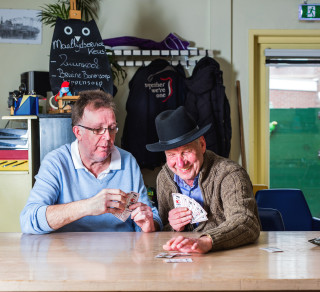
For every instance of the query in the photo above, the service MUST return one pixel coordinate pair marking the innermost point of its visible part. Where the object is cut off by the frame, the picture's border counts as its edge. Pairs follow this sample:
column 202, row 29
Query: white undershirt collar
column 115, row 162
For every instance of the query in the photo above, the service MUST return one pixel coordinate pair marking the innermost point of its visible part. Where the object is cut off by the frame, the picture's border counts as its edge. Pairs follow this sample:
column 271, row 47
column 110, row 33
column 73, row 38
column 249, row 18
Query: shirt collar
column 115, row 162
column 181, row 183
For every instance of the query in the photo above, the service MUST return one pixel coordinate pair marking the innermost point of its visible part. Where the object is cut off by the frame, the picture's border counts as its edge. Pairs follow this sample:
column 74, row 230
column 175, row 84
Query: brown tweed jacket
column 228, row 199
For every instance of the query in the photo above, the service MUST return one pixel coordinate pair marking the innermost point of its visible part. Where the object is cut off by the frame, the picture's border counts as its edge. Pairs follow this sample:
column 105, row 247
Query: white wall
column 222, row 26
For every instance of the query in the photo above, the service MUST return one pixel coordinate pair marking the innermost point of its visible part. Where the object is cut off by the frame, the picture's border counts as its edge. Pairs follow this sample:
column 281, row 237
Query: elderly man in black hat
column 221, row 186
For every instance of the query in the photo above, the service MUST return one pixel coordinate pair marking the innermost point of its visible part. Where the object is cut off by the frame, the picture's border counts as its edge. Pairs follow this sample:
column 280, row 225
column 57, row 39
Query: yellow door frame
column 259, row 40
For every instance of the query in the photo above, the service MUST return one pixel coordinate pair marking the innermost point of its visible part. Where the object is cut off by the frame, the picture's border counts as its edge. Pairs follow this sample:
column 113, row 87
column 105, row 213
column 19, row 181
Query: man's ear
column 203, row 144
column 77, row 132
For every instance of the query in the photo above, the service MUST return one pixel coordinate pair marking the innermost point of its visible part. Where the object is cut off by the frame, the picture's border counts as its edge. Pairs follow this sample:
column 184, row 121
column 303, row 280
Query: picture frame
column 20, row 26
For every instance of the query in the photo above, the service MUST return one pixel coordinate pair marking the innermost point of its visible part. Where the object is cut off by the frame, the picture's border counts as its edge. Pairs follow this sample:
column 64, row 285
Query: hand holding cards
column 198, row 213
column 131, row 199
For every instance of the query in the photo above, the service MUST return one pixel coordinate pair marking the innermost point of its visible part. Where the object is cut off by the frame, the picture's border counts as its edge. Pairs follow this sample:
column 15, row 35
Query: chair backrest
column 258, row 187
column 292, row 205
column 271, row 219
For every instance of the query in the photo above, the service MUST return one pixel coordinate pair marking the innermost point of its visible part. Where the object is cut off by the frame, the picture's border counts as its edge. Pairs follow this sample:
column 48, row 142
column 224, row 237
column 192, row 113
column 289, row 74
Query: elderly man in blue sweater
column 81, row 185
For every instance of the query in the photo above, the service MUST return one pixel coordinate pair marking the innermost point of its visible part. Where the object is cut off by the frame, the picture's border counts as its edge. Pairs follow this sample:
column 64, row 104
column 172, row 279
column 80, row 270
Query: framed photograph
column 20, row 26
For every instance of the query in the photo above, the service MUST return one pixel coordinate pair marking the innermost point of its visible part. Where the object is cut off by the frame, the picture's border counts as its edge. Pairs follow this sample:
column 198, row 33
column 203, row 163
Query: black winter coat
column 206, row 101
column 153, row 89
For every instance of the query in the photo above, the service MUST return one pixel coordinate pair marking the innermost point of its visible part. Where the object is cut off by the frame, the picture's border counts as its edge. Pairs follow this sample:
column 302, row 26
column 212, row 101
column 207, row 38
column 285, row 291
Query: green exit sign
column 309, row 12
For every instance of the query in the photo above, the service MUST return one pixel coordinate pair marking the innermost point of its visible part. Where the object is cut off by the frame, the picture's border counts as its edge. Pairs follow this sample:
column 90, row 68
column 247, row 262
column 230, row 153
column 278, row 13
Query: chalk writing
column 65, row 62
column 79, row 58
column 74, row 46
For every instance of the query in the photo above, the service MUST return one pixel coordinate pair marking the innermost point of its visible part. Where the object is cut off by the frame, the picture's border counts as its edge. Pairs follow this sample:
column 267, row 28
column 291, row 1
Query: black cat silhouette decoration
column 78, row 56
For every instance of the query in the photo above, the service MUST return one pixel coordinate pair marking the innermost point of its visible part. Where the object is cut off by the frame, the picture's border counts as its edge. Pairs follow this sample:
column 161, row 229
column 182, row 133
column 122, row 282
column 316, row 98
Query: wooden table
column 126, row 262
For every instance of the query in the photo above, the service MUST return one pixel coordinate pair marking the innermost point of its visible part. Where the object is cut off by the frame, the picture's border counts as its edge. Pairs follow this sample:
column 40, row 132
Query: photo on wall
column 20, row 26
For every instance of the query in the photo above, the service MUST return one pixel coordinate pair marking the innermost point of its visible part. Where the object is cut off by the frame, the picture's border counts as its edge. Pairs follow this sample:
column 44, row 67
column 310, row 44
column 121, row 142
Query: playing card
column 165, row 255
column 176, row 254
column 123, row 216
column 272, row 249
column 198, row 220
column 198, row 213
column 186, row 260
column 171, row 255
column 190, row 204
column 198, row 206
column 131, row 199
column 177, row 200
column 315, row 240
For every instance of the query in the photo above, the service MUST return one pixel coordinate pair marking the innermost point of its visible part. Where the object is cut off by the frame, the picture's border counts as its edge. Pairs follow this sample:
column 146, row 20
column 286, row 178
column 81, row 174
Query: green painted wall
column 294, row 153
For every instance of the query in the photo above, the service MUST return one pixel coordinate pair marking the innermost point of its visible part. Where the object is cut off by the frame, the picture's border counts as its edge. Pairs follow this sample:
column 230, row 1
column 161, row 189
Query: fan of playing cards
column 198, row 213
column 131, row 199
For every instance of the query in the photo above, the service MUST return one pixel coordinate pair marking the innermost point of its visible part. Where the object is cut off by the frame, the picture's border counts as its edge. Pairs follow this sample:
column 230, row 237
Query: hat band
column 180, row 138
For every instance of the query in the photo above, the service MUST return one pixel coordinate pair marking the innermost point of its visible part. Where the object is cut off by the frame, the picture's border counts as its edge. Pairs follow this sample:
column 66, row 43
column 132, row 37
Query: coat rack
column 138, row 58
column 142, row 63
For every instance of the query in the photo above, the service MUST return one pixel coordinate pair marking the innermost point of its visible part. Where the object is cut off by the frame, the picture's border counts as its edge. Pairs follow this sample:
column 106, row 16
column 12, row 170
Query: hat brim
column 157, row 147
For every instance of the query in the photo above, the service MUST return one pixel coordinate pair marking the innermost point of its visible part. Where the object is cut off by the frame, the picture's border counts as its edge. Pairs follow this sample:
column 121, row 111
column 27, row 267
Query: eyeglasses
column 112, row 130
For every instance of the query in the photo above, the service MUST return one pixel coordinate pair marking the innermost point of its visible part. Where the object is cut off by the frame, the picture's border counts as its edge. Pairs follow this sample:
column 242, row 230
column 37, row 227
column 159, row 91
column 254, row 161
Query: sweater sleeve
column 141, row 189
column 165, row 188
column 239, row 224
column 44, row 193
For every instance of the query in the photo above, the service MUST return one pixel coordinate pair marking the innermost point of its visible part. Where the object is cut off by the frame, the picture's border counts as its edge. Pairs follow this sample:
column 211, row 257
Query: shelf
column 166, row 53
column 138, row 58
column 17, row 182
column 19, row 117
column 14, row 172
column 33, row 162
column 140, row 63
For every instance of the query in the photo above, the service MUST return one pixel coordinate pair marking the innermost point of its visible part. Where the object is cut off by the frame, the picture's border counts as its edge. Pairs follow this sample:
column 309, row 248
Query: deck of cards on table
column 131, row 199
column 198, row 213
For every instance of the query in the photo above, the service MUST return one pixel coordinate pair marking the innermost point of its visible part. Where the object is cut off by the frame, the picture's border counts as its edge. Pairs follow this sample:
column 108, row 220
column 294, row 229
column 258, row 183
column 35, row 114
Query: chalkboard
column 78, row 55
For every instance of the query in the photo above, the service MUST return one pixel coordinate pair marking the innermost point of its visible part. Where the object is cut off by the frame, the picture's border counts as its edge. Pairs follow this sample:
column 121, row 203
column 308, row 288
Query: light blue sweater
column 58, row 182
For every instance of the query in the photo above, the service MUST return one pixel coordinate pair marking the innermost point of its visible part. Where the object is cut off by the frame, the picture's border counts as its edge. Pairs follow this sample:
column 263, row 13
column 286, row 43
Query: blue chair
column 271, row 219
column 293, row 207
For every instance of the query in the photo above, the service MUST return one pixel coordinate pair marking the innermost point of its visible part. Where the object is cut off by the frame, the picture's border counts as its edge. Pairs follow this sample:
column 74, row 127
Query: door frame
column 259, row 40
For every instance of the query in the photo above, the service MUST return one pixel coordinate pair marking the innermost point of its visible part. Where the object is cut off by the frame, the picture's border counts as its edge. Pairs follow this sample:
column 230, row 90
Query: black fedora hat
column 175, row 128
